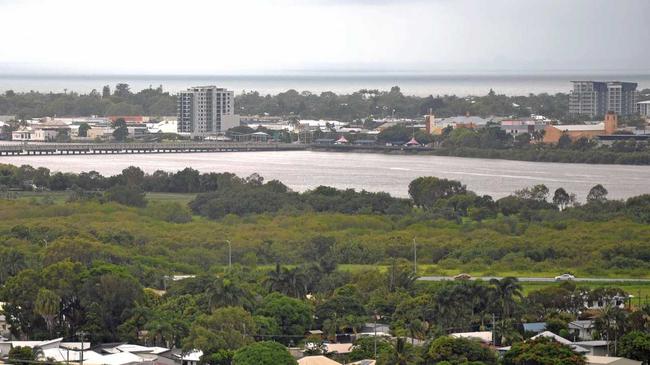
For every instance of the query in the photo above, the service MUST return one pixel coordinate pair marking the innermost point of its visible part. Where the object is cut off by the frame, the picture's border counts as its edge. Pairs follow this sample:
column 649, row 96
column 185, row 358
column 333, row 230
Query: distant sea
column 410, row 84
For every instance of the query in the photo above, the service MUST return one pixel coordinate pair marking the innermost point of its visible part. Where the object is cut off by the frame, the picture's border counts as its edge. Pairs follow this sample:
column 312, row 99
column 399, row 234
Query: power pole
column 375, row 336
column 229, row 257
column 415, row 256
column 82, row 334
column 493, row 330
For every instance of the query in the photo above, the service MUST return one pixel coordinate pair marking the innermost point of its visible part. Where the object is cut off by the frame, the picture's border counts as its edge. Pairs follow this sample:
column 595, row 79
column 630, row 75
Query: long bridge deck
column 135, row 148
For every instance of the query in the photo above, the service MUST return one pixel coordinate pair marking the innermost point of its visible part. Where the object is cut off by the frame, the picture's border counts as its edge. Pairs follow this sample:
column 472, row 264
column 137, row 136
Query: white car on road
column 564, row 277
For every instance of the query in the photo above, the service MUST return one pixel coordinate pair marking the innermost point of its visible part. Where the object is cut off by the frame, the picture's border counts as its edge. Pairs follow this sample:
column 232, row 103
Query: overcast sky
column 255, row 36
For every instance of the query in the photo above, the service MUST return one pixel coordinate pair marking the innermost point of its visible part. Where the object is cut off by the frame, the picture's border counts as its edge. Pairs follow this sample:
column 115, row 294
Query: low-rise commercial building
column 553, row 133
column 103, row 133
column 516, row 127
column 437, row 125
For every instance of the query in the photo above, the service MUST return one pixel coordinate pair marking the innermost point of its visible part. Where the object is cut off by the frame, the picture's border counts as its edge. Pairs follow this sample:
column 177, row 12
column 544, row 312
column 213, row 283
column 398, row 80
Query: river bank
column 530, row 154
column 303, row 170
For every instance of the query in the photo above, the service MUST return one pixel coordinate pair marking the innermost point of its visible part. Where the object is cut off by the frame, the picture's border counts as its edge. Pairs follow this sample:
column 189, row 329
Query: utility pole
column 415, row 256
column 375, row 336
column 229, row 256
column 82, row 334
column 494, row 330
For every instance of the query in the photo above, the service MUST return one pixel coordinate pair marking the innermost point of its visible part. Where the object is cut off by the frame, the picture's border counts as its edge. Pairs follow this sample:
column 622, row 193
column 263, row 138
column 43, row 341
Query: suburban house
column 317, row 360
column 552, row 133
column 608, row 360
column 46, row 131
column 596, row 347
column 534, row 327
column 582, row 329
column 562, row 340
column 177, row 357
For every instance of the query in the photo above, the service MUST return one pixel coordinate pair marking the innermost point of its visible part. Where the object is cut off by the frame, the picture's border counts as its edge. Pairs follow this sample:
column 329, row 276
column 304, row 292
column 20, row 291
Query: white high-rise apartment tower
column 206, row 110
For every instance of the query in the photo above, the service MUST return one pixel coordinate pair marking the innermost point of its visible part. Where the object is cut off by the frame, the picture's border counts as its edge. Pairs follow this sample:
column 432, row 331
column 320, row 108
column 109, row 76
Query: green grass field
column 62, row 196
column 181, row 198
column 639, row 291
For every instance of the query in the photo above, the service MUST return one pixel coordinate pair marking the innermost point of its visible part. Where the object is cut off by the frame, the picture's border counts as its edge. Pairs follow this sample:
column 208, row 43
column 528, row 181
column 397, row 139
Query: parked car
column 463, row 276
column 564, row 277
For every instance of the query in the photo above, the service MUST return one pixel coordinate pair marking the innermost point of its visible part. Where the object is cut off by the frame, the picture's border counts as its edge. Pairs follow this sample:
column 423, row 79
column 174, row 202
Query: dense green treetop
column 542, row 351
column 459, row 351
column 263, row 353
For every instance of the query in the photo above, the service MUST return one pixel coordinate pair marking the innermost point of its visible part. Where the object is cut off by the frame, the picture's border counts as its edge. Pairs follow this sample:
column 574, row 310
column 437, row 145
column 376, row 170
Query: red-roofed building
column 129, row 118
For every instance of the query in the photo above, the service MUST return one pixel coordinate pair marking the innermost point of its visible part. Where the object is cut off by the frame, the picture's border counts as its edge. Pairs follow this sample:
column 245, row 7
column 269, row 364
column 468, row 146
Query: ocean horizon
column 418, row 84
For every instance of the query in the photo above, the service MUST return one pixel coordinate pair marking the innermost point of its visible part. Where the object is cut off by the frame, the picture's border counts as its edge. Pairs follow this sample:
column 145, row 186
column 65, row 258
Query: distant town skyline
column 293, row 36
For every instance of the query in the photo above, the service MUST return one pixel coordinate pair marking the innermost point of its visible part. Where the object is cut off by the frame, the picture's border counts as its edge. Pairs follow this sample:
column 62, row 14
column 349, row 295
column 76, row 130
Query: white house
column 45, row 131
column 22, row 134
column 583, row 329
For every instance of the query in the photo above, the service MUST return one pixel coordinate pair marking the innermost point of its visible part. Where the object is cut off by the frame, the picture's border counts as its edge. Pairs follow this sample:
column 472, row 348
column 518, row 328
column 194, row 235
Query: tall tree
column 597, row 194
column 542, row 351
column 121, row 131
column 47, row 305
column 635, row 345
column 83, row 129
column 426, row 191
column 263, row 353
column 562, row 199
column 227, row 328
column 506, row 290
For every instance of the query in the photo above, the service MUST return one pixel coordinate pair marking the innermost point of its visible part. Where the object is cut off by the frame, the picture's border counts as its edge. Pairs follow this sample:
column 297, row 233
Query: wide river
column 302, row 170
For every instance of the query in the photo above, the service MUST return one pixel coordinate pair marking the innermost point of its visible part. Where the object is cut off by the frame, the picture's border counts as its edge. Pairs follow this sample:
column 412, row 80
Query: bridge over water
column 45, row 148
column 136, row 148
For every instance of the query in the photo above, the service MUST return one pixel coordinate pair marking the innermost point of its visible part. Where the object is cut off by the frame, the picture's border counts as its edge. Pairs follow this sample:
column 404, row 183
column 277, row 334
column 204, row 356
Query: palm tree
column 480, row 299
column 291, row 282
column 507, row 333
column 417, row 329
column 610, row 322
column 295, row 282
column 275, row 279
column 226, row 292
column 506, row 290
column 401, row 354
column 47, row 305
column 160, row 332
